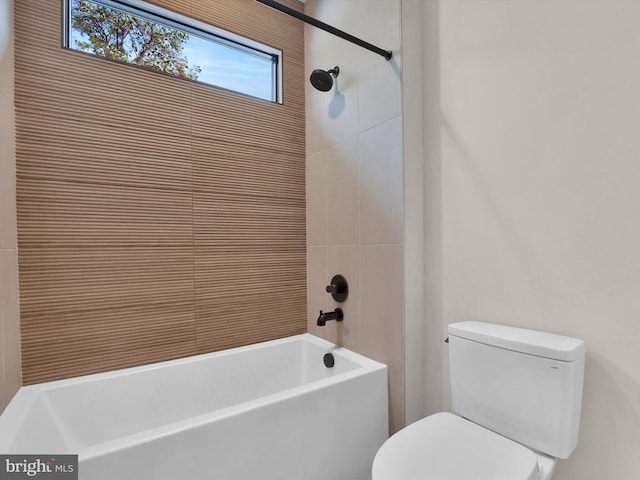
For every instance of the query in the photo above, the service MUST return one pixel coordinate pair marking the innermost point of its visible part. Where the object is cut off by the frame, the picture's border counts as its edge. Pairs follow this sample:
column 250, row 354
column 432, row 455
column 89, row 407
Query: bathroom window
column 138, row 33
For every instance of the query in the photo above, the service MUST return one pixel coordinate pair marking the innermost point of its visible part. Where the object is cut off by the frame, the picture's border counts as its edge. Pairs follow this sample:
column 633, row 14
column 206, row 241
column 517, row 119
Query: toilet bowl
column 445, row 446
column 516, row 400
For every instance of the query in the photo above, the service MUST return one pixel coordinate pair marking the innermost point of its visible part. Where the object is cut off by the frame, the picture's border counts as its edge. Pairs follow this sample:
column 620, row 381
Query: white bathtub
column 267, row 411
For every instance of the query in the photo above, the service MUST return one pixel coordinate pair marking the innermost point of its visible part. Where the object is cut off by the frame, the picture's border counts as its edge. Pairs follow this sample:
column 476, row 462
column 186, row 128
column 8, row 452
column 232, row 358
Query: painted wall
column 355, row 183
column 9, row 318
column 537, row 150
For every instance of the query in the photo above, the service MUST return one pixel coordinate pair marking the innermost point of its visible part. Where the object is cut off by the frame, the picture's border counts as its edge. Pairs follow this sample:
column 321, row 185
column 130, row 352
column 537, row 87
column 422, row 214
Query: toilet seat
column 447, row 447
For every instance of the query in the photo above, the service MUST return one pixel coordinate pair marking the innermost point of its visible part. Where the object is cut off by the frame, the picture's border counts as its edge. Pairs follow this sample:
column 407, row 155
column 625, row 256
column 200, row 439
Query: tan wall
column 157, row 217
column 355, row 184
column 10, row 379
column 540, row 209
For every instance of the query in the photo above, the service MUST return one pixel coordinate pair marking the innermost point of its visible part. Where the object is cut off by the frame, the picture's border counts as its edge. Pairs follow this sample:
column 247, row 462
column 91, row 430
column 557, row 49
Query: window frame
column 195, row 27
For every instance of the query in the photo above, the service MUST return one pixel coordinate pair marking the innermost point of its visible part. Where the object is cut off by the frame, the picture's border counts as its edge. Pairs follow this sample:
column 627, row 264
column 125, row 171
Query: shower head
column 322, row 80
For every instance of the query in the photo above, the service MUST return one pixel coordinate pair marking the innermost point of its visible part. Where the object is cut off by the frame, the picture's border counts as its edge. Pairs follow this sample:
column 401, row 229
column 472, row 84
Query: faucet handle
column 339, row 289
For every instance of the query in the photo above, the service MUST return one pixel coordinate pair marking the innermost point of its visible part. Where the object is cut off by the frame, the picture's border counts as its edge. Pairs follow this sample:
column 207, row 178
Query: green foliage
column 111, row 33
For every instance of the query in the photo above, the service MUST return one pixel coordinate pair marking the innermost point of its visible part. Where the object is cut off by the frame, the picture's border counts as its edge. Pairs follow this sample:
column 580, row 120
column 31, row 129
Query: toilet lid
column 447, row 447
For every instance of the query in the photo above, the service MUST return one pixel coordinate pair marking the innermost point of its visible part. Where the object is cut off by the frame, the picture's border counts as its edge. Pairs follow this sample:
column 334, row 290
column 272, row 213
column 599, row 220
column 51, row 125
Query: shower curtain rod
column 327, row 28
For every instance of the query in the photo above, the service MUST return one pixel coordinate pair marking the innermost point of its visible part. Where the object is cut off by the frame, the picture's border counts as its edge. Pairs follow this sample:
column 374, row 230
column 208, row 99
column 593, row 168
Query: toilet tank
column 523, row 384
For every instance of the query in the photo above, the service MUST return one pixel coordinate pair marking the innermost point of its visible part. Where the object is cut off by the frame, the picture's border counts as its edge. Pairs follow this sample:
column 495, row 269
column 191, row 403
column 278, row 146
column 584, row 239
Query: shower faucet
column 338, row 288
column 336, row 315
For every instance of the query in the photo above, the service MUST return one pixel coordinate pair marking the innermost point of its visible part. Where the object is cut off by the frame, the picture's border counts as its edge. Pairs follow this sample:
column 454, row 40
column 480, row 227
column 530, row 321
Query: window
column 139, row 33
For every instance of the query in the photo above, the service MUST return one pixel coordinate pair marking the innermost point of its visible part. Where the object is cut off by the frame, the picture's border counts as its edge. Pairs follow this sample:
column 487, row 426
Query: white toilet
column 516, row 397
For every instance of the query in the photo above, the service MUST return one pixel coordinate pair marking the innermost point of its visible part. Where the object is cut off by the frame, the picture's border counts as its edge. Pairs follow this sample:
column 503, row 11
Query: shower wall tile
column 56, row 280
column 381, row 310
column 315, row 42
column 242, row 319
column 380, row 81
column 86, row 340
column 396, row 400
column 240, row 221
column 342, row 193
column 282, row 272
column 159, row 223
column 317, row 297
column 6, row 74
column 7, row 131
column 56, row 214
column 42, row 86
column 151, row 158
column 246, row 121
column 355, row 184
column 341, row 111
column 317, row 199
column 338, row 13
column 381, row 184
column 236, row 168
column 315, row 107
column 7, row 176
column 10, row 370
column 332, row 116
column 6, row 53
column 344, row 260
column 365, row 7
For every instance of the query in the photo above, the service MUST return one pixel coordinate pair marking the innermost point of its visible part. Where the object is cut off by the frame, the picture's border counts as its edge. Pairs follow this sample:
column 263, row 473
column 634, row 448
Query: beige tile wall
column 10, row 374
column 355, row 184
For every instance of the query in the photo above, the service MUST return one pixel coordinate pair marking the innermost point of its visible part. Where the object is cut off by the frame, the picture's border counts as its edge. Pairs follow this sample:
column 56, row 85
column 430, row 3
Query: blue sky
column 229, row 68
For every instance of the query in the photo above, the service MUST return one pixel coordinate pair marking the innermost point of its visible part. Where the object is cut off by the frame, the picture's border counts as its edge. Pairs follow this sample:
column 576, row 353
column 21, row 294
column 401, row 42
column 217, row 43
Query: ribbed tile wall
column 157, row 217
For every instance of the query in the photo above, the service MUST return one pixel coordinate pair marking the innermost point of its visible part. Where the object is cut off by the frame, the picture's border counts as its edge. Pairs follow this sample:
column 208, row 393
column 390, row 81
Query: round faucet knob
column 339, row 289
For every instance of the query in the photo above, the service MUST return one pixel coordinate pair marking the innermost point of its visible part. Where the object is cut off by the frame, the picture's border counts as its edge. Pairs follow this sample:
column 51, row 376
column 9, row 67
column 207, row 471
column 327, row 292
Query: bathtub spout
column 336, row 315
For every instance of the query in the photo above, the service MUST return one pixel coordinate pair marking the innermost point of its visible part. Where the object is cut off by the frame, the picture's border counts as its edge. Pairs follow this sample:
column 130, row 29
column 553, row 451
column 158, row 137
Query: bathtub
column 266, row 411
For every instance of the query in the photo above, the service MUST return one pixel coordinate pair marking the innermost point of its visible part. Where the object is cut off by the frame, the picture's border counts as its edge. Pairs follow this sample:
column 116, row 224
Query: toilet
column 516, row 399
